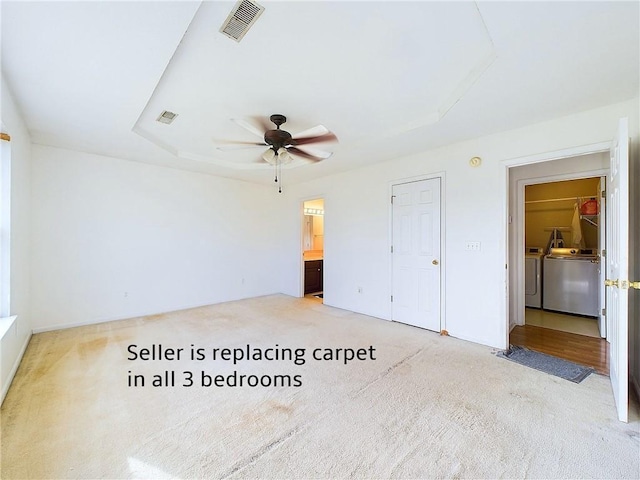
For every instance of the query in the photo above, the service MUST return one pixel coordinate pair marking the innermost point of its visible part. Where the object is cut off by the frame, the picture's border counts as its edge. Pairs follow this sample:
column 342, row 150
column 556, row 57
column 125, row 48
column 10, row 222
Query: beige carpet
column 427, row 407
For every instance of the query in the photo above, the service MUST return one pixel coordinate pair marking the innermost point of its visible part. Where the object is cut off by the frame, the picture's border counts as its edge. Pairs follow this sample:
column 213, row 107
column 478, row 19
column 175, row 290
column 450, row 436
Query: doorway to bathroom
column 313, row 248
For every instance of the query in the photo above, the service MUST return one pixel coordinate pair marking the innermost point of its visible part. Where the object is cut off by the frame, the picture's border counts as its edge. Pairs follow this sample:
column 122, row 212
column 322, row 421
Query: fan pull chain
column 275, row 167
column 278, row 171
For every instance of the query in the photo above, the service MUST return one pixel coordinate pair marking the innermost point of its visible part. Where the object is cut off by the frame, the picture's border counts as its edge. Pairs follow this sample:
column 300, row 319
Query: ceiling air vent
column 166, row 117
column 244, row 14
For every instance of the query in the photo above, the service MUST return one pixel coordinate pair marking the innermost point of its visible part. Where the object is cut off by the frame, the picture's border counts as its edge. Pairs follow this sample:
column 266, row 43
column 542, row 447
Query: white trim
column 443, row 270
column 598, row 172
column 14, row 369
column 518, row 162
column 557, row 155
column 5, row 324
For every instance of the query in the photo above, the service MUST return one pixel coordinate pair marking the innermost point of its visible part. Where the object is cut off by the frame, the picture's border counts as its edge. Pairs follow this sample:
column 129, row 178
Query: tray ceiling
column 388, row 78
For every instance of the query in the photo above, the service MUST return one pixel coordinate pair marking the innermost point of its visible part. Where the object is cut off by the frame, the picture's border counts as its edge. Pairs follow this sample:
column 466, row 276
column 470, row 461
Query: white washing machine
column 533, row 276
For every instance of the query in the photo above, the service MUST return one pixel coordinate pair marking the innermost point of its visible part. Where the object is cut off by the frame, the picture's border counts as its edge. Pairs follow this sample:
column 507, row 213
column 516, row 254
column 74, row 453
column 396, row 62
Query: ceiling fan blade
column 249, row 127
column 263, row 123
column 328, row 137
column 239, row 146
column 323, row 154
column 308, row 155
column 316, row 131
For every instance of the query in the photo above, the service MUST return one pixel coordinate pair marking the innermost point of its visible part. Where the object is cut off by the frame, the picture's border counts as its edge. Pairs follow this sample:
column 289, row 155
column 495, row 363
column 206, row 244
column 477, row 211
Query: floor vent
column 244, row 14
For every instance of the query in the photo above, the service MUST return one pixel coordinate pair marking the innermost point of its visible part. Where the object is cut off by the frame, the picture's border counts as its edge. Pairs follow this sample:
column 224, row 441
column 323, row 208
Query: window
column 5, row 223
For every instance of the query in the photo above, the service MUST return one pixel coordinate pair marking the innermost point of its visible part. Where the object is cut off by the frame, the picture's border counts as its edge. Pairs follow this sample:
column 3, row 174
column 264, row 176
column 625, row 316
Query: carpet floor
column 426, row 407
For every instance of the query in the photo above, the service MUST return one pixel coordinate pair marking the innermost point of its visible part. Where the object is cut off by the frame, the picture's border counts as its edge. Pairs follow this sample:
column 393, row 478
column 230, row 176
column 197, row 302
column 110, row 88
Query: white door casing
column 602, row 241
column 617, row 261
column 416, row 253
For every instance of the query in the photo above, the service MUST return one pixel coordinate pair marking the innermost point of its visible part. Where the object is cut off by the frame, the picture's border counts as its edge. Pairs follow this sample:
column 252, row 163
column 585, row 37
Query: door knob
column 435, row 262
column 635, row 285
column 611, row 283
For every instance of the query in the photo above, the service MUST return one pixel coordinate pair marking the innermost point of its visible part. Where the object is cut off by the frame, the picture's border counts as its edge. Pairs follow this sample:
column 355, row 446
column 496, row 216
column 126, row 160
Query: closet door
column 416, row 254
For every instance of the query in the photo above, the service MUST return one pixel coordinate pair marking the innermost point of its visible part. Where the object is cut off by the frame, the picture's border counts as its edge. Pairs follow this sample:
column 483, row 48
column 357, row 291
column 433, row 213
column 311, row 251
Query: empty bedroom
column 287, row 239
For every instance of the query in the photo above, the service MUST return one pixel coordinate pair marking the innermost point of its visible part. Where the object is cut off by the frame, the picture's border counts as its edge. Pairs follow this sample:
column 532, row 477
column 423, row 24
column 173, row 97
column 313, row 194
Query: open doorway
column 563, row 280
column 557, row 239
column 313, row 248
column 609, row 159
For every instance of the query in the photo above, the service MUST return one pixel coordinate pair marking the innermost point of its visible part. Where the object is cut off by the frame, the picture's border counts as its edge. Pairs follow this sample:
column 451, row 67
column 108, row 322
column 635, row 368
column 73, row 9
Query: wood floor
column 581, row 349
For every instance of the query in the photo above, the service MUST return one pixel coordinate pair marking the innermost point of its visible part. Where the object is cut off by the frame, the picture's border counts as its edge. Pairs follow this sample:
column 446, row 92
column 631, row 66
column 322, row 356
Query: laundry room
column 564, row 240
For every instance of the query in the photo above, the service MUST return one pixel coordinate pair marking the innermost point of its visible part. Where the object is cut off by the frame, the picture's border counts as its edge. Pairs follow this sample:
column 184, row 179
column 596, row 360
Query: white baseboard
column 64, row 326
column 14, row 369
column 95, row 321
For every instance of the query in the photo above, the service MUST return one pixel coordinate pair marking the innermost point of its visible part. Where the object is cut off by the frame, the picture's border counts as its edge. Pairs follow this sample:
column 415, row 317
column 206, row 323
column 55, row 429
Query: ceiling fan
column 284, row 147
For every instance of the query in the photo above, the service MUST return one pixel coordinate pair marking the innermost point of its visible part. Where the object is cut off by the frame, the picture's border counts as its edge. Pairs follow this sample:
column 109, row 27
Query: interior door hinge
column 604, row 312
column 391, row 248
column 392, row 197
column 604, row 193
column 391, row 298
column 604, row 253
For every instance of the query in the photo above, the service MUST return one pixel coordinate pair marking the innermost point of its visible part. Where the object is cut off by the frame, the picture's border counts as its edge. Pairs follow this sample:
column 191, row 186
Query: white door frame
column 519, row 266
column 443, row 259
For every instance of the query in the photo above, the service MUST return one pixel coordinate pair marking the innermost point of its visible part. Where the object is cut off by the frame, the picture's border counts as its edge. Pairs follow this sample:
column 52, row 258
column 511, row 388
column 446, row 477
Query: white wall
column 15, row 340
column 357, row 217
column 173, row 239
column 114, row 239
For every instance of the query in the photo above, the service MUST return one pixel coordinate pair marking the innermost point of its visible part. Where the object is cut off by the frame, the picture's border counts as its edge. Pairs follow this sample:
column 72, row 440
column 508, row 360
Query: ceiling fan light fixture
column 284, row 156
column 269, row 156
column 280, row 156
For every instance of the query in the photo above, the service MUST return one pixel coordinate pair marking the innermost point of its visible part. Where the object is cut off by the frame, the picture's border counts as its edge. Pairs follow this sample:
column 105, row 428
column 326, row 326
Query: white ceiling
column 388, row 78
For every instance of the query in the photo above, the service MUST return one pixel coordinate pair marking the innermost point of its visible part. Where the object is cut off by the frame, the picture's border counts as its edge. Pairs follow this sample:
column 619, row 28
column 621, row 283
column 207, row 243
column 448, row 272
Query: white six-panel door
column 416, row 253
column 617, row 260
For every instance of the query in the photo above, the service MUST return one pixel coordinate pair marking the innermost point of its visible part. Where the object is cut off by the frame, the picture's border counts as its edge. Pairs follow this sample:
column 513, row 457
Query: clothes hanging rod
column 591, row 197
column 559, row 229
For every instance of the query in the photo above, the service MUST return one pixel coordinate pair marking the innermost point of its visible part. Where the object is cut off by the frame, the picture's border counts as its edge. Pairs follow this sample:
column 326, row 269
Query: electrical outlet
column 473, row 246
